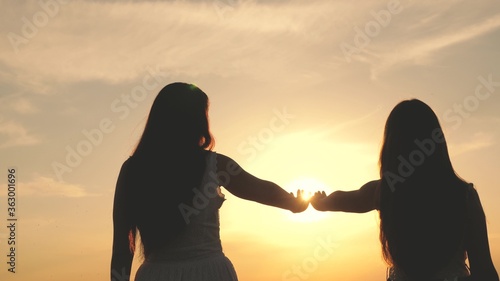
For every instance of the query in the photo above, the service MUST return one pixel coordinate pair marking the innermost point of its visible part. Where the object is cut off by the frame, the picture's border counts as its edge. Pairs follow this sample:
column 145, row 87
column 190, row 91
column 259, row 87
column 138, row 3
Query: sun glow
column 309, row 186
column 307, row 195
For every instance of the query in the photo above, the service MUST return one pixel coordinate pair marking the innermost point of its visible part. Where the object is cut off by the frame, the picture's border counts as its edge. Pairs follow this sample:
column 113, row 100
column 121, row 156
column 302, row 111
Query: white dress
column 197, row 255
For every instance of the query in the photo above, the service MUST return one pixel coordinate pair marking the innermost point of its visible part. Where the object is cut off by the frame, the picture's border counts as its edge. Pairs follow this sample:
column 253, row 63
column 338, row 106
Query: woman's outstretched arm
column 246, row 186
column 357, row 201
column 477, row 245
column 122, row 256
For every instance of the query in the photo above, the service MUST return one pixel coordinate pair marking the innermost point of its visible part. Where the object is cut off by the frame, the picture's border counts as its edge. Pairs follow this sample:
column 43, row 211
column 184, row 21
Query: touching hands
column 299, row 203
column 318, row 201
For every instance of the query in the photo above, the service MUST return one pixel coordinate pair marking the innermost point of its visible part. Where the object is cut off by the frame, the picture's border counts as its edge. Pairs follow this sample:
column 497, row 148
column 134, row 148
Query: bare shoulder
column 124, row 174
column 226, row 164
column 222, row 159
column 228, row 170
column 369, row 189
column 475, row 207
column 370, row 186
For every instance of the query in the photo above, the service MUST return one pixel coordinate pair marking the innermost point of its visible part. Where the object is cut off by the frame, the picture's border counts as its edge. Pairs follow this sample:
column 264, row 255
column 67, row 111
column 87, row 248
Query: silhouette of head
column 413, row 133
column 178, row 118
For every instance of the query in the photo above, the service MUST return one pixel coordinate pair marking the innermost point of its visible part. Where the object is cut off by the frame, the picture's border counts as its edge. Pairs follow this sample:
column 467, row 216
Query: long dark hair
column 422, row 199
column 167, row 164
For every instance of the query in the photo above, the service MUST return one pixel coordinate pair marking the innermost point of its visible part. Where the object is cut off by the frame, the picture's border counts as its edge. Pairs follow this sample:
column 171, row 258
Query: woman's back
column 196, row 252
column 423, row 226
column 428, row 236
column 201, row 234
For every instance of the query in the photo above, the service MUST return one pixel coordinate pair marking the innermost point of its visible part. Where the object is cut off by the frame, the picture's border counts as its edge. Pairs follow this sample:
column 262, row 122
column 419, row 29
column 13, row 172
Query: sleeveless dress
column 456, row 269
column 197, row 255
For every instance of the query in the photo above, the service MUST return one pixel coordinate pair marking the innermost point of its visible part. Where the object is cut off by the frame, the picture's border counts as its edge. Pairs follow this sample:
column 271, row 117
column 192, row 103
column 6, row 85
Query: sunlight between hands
column 300, row 203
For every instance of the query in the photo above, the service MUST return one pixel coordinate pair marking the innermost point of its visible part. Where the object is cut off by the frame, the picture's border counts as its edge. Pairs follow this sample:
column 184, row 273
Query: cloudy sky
column 299, row 91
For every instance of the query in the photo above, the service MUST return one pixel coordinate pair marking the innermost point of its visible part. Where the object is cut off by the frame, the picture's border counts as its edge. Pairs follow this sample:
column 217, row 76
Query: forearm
column 246, row 186
column 477, row 243
column 336, row 202
column 356, row 201
column 332, row 203
column 269, row 193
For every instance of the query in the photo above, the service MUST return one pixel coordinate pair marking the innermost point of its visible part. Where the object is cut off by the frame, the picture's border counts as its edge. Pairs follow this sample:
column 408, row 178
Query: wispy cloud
column 225, row 38
column 182, row 37
column 14, row 134
column 351, row 123
column 479, row 141
column 424, row 50
column 48, row 187
column 23, row 106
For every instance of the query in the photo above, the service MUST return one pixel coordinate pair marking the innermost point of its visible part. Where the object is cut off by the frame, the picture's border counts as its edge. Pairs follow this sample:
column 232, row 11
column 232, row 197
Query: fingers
column 302, row 201
column 319, row 194
column 317, row 200
column 301, row 204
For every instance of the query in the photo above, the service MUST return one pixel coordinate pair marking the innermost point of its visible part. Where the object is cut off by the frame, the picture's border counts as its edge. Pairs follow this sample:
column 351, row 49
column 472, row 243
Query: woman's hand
column 318, row 201
column 299, row 204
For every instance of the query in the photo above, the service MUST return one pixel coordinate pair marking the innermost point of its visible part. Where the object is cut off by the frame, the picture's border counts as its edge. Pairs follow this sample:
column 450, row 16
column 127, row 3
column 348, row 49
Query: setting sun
column 309, row 186
column 306, row 195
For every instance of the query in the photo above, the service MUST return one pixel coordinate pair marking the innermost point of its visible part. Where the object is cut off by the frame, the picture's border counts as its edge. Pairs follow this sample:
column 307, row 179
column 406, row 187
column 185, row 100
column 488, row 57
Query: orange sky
column 299, row 92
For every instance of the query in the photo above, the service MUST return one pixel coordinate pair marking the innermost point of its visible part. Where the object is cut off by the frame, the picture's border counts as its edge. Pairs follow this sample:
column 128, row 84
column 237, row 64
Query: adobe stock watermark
column 258, row 142
column 322, row 252
column 121, row 107
column 460, row 111
column 406, row 167
column 210, row 190
column 30, row 27
column 4, row 238
column 372, row 28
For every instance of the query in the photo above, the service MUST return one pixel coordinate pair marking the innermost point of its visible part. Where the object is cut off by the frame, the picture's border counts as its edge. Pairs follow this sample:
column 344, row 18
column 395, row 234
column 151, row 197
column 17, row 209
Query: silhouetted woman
column 168, row 195
column 431, row 220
